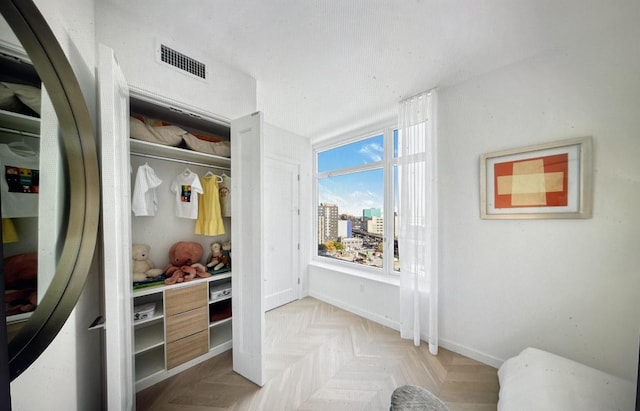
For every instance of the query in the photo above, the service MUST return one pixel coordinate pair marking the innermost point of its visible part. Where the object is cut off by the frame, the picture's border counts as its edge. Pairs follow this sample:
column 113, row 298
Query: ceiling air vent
column 179, row 60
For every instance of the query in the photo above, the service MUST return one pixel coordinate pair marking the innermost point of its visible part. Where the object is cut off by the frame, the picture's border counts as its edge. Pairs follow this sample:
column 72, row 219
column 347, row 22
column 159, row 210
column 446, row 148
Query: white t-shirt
column 20, row 182
column 145, row 201
column 186, row 187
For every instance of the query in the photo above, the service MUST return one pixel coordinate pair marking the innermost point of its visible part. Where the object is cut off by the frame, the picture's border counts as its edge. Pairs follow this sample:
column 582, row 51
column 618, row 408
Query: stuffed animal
column 184, row 263
column 20, row 283
column 226, row 253
column 21, row 271
column 142, row 268
column 219, row 257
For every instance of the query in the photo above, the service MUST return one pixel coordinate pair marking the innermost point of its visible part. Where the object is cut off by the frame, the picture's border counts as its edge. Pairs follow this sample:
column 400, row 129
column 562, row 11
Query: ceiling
column 325, row 67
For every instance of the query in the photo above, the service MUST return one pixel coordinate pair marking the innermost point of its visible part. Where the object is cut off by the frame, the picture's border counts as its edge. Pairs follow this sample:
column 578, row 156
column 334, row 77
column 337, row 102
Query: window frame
column 387, row 164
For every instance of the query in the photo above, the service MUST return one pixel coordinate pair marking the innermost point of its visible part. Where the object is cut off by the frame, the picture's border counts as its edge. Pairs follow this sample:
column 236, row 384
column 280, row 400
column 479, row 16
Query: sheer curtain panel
column 418, row 218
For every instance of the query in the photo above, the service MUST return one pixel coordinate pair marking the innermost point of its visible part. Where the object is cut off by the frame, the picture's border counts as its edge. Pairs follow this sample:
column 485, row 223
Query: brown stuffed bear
column 184, row 263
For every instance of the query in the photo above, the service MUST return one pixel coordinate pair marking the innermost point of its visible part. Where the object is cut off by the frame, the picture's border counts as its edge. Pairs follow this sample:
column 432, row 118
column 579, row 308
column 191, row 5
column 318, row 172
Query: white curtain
column 418, row 218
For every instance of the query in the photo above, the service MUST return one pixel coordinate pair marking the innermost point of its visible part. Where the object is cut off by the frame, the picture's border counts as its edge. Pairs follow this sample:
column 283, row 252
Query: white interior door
column 281, row 232
column 247, row 236
column 116, row 227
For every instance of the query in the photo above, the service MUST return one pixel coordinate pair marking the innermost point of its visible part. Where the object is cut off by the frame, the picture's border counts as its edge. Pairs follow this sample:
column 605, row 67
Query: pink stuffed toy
column 20, row 283
column 184, row 263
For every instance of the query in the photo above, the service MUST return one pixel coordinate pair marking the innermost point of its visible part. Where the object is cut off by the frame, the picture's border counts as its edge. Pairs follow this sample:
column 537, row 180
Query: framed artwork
column 550, row 180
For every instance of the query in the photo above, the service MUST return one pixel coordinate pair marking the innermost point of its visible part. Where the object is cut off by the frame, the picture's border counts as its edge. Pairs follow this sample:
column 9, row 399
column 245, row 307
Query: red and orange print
column 534, row 182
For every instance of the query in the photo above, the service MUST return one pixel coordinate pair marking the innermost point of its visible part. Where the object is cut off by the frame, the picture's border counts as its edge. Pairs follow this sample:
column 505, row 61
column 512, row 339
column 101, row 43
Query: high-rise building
column 367, row 215
column 345, row 228
column 371, row 212
column 376, row 225
column 327, row 222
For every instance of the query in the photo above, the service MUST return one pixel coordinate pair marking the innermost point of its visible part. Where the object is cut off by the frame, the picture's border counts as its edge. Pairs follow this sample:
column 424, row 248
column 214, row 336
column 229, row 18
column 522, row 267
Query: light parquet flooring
column 319, row 357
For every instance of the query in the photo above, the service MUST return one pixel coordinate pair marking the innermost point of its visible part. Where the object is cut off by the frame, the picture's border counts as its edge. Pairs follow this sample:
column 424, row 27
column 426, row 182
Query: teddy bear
column 220, row 256
column 142, row 268
column 184, row 263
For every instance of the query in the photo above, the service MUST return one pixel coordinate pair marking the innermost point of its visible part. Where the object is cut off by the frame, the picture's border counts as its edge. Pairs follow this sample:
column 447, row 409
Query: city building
column 345, row 228
column 376, row 225
column 352, row 243
column 327, row 222
column 368, row 214
column 371, row 212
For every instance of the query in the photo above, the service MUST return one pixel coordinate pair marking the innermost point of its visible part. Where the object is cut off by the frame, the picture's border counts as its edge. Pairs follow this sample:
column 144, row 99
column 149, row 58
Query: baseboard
column 356, row 310
column 471, row 353
column 447, row 344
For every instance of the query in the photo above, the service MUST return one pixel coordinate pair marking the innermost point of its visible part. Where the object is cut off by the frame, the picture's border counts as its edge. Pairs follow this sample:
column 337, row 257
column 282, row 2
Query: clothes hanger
column 186, row 172
column 210, row 174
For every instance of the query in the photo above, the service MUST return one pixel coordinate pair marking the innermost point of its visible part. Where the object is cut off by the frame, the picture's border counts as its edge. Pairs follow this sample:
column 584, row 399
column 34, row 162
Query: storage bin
column 144, row 311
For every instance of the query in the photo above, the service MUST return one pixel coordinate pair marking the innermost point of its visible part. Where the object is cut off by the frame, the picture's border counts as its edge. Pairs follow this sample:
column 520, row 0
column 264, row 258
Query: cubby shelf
column 150, row 334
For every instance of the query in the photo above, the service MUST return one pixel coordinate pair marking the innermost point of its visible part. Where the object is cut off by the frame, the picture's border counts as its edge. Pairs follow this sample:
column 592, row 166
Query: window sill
column 356, row 272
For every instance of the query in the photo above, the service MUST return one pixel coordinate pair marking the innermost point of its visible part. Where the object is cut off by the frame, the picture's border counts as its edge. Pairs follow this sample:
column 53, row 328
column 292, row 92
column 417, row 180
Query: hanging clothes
column 145, row 201
column 9, row 233
column 186, row 187
column 225, row 195
column 20, row 182
column 209, row 216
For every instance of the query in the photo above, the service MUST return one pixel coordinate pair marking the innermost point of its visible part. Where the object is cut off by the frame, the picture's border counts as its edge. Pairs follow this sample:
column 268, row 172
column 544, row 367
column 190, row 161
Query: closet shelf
column 161, row 286
column 219, row 322
column 148, row 338
column 152, row 150
column 21, row 122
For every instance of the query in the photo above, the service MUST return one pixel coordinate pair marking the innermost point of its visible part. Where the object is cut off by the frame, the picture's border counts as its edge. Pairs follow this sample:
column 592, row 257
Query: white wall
column 373, row 299
column 570, row 287
column 227, row 92
column 67, row 375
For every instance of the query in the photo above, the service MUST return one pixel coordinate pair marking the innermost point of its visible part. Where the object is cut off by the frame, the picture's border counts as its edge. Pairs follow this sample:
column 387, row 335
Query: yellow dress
column 209, row 220
column 9, row 233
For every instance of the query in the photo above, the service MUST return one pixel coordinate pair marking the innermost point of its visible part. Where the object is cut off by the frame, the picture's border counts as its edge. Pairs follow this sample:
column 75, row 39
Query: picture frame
column 545, row 181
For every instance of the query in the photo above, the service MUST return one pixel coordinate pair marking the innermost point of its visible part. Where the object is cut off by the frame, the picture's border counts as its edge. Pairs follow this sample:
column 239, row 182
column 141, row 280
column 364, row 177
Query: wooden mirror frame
column 79, row 147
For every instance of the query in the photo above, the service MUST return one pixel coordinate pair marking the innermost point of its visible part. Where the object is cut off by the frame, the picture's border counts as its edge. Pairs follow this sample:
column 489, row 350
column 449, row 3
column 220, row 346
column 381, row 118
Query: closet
column 188, row 322
column 31, row 190
column 19, row 146
column 182, row 324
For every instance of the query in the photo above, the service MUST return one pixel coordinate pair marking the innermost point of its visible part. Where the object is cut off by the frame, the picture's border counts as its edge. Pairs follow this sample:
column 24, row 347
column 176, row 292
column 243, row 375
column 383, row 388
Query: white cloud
column 373, row 151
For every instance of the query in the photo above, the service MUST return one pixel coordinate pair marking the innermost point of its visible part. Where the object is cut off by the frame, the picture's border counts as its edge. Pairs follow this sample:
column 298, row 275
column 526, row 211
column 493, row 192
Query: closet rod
column 176, row 160
column 22, row 133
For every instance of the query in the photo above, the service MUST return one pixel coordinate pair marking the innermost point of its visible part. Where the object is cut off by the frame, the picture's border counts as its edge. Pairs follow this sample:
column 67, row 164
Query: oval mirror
column 59, row 187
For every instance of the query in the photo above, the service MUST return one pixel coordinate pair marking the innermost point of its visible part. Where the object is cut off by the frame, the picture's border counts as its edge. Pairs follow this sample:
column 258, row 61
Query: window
column 357, row 203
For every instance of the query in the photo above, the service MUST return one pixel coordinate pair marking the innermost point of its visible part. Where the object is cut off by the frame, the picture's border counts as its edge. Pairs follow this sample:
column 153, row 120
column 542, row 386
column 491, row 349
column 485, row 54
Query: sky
column 356, row 191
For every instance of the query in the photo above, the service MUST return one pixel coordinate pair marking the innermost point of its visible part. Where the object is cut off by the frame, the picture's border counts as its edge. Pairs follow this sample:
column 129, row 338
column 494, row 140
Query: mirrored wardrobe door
column 49, row 185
